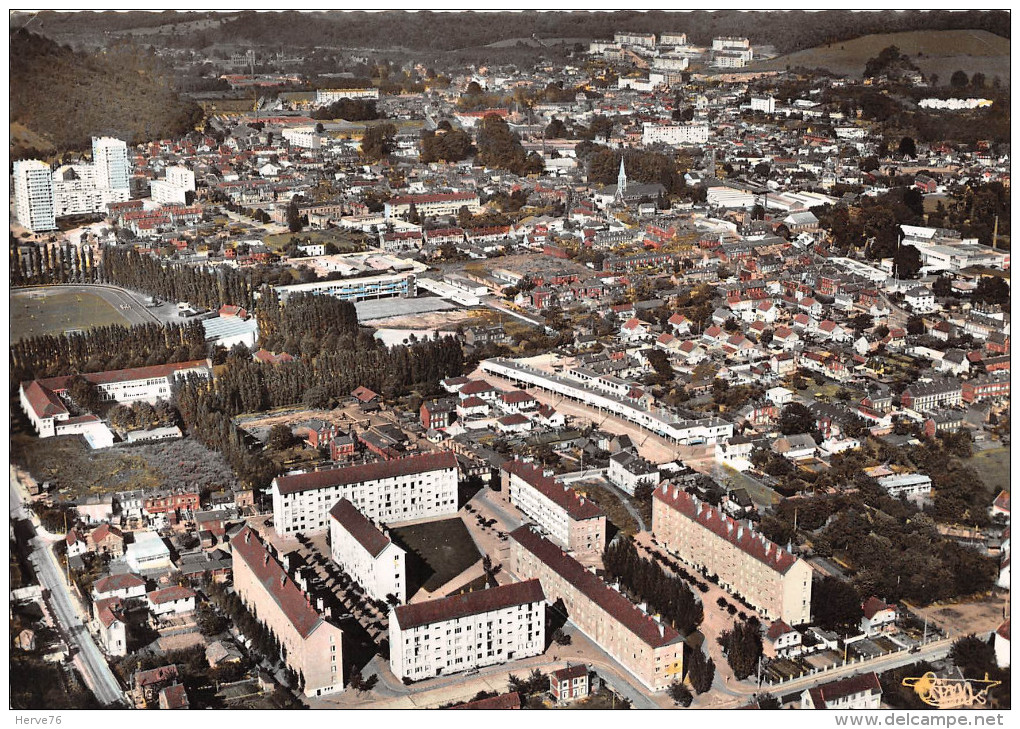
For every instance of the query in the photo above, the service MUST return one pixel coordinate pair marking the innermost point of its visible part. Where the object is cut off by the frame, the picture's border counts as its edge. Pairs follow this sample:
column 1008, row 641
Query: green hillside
column 60, row 98
column 941, row 52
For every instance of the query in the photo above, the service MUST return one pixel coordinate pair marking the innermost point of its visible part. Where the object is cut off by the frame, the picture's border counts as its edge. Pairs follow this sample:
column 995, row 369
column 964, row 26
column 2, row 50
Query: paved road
column 936, row 650
column 92, row 664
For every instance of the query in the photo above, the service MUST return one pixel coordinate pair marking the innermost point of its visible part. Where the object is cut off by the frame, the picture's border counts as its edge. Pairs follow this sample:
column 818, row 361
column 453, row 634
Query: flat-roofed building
column 364, row 552
column 764, row 574
column 312, row 646
column 390, row 491
column 575, row 523
column 469, row 631
column 650, row 650
column 442, row 203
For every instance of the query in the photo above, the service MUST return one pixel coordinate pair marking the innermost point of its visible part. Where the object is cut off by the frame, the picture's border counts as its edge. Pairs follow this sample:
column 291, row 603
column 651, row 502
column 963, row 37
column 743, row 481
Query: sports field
column 44, row 311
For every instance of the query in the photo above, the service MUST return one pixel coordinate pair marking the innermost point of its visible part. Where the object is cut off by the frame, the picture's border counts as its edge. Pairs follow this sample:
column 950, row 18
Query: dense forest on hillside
column 63, row 98
column 787, row 31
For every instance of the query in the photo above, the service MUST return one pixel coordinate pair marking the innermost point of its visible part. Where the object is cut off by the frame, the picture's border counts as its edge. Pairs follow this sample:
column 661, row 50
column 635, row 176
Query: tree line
column 104, row 348
column 667, row 594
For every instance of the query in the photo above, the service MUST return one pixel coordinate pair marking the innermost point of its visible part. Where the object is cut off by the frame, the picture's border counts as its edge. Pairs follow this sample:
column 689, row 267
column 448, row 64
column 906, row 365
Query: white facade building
column 766, row 104
column 628, row 471
column 303, row 137
column 33, row 195
column 574, row 522
column 174, row 188
column 365, row 553
column 674, row 134
column 906, row 484
column 329, row 96
column 110, row 157
column 401, row 489
column 469, row 631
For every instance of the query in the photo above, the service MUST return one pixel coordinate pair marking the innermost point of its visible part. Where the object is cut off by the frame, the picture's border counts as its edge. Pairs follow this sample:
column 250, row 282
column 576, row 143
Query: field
column 78, row 471
column 345, row 241
column 38, row 312
column 993, row 467
column 942, row 52
column 612, row 504
column 438, row 551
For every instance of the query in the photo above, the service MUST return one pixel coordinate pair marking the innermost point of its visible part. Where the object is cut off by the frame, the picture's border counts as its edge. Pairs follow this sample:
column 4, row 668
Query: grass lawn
column 78, row 471
column 346, row 241
column 36, row 312
column 610, row 503
column 438, row 551
column 993, row 467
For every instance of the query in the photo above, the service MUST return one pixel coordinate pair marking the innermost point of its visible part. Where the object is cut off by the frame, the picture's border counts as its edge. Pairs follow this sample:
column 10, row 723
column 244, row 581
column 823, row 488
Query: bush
column 680, row 694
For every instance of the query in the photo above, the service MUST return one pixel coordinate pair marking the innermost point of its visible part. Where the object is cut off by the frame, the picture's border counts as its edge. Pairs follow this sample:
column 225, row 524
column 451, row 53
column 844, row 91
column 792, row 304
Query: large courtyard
column 438, row 551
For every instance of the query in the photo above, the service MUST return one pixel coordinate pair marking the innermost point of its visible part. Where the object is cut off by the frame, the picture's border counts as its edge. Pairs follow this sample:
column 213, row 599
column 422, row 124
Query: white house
column 878, row 616
column 862, row 691
column 783, row 639
column 171, row 600
column 1002, row 645
column 147, row 552
column 124, row 586
column 920, row 299
column 628, row 471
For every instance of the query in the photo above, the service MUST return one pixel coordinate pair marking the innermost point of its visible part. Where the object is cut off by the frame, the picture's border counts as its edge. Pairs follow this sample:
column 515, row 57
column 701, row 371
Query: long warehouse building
column 683, row 432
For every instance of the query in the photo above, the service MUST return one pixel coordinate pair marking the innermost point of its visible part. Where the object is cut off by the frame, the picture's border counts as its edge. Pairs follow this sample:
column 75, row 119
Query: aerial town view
column 510, row 360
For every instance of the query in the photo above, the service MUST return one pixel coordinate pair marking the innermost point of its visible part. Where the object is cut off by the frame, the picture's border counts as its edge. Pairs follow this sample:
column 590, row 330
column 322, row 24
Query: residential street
column 71, row 622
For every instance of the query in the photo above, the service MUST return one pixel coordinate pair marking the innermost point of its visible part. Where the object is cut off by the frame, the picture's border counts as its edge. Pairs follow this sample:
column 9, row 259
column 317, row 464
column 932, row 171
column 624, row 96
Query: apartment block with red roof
column 400, row 489
column 574, row 522
column 767, row 576
column 366, row 553
column 652, row 651
column 312, row 646
column 469, row 631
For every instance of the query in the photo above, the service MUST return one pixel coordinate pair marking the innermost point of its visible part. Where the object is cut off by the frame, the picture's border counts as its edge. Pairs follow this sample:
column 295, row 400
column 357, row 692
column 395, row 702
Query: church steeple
column 621, row 181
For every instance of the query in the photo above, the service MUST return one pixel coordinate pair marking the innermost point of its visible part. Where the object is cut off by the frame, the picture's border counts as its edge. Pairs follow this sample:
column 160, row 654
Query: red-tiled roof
column 108, row 610
column 515, row 419
column 43, row 401
column 360, row 527
column 117, row 582
column 154, row 675
column 170, row 594
column 270, row 574
column 625, row 612
column 503, row 701
column 569, row 672
column 175, row 697
column 1003, row 630
column 873, row 605
column 777, row 629
column 367, row 472
column 577, row 507
column 103, row 531
column 135, row 373
column 845, row 687
column 476, row 387
column 473, row 402
column 516, row 396
column 471, row 603
column 363, row 394
column 737, row 534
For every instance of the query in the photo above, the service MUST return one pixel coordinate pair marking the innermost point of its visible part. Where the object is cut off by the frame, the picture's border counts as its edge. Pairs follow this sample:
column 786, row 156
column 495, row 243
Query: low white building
column 171, row 600
column 363, row 551
column 628, row 471
column 147, row 552
column 857, row 692
column 124, row 586
column 469, row 631
column 906, row 484
column 877, row 616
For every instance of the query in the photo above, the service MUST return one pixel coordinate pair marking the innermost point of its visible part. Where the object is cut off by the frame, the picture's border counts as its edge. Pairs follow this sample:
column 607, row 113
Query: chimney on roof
column 283, row 580
column 740, row 531
column 662, row 631
column 247, row 536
